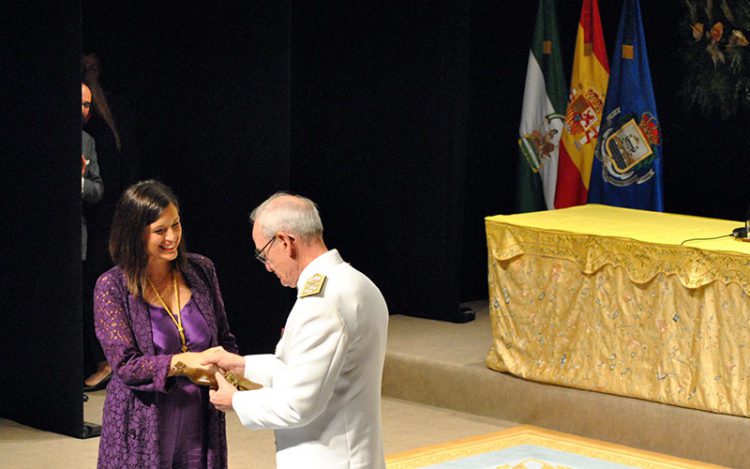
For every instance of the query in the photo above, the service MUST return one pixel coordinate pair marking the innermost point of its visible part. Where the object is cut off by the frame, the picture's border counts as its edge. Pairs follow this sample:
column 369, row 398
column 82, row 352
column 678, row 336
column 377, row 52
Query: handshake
column 201, row 368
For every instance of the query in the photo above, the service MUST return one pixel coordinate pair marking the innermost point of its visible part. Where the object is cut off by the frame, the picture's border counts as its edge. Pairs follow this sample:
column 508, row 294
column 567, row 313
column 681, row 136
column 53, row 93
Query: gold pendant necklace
column 176, row 318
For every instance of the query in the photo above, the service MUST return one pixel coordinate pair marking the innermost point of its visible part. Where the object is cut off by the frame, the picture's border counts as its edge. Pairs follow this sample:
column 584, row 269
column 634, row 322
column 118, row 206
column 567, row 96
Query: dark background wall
column 379, row 110
column 210, row 91
column 399, row 118
column 40, row 226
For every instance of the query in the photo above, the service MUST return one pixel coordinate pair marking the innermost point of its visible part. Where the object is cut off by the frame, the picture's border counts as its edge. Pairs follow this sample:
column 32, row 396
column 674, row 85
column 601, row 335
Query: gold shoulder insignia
column 313, row 286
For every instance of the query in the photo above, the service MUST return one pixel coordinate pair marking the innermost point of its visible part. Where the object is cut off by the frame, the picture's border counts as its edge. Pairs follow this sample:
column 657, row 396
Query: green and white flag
column 544, row 102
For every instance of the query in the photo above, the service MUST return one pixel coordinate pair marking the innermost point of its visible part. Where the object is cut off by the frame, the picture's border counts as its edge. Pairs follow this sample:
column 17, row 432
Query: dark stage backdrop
column 209, row 87
column 399, row 118
column 379, row 103
column 41, row 331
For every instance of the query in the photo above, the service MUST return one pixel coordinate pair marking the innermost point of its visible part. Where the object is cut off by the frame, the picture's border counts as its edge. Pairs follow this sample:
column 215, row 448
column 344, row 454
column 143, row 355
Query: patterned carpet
column 528, row 447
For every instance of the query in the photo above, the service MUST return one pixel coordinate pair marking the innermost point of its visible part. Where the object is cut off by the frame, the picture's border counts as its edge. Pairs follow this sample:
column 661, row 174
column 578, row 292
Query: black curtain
column 398, row 118
column 379, row 103
column 209, row 87
column 41, row 336
column 209, row 91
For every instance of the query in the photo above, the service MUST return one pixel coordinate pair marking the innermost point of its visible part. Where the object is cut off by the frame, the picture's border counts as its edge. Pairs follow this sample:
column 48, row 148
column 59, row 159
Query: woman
column 157, row 309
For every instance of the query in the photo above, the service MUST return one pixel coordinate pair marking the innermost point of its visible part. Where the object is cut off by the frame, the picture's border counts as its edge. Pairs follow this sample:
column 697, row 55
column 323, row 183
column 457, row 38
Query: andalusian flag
column 541, row 119
column 627, row 168
column 588, row 88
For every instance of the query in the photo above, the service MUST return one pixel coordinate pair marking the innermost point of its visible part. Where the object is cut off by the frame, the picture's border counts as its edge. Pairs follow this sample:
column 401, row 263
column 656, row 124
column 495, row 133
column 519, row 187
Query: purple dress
column 140, row 393
column 183, row 409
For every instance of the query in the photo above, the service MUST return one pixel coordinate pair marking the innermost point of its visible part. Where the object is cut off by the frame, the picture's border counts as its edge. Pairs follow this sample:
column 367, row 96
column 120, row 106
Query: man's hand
column 83, row 164
column 225, row 360
column 222, row 397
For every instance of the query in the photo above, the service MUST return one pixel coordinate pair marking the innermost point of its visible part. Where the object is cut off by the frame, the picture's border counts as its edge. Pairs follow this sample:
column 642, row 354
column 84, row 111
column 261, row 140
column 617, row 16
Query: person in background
column 92, row 187
column 156, row 313
column 322, row 387
column 110, row 124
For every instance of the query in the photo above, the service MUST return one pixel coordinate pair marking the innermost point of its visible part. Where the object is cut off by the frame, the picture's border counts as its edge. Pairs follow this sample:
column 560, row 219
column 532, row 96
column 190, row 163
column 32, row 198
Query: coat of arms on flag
column 583, row 115
column 542, row 116
column 626, row 151
column 540, row 145
column 627, row 165
column 582, row 118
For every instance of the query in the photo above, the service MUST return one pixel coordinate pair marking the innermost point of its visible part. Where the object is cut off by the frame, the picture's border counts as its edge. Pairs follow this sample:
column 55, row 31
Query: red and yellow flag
column 588, row 88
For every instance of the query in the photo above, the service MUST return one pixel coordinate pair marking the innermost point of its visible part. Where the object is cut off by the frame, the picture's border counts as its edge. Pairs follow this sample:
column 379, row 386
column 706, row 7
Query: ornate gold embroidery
column 661, row 322
column 313, row 286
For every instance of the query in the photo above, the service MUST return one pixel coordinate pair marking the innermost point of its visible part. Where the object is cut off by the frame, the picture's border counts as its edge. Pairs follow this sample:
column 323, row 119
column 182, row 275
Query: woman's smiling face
column 164, row 235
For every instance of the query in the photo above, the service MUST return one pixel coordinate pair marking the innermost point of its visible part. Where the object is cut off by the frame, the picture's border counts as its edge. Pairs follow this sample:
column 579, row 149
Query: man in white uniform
column 321, row 390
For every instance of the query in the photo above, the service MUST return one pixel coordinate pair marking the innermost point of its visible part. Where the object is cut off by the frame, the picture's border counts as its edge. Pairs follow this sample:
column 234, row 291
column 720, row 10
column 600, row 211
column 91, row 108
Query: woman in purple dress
column 157, row 307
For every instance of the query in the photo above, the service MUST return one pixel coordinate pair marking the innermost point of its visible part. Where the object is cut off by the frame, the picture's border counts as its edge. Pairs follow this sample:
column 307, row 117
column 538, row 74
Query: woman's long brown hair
column 140, row 205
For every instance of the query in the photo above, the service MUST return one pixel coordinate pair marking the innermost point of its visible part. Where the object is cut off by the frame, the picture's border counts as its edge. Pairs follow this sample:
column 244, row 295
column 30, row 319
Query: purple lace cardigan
column 130, row 424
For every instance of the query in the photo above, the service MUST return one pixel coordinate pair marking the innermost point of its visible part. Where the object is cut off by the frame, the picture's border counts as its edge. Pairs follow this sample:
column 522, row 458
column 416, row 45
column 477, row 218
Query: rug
column 528, row 447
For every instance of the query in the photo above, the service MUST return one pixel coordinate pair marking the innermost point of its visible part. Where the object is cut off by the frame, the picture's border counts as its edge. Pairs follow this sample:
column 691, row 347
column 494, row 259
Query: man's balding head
column 290, row 213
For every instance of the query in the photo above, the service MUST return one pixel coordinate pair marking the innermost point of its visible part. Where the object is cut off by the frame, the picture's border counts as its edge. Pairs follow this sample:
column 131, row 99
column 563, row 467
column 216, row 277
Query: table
column 607, row 299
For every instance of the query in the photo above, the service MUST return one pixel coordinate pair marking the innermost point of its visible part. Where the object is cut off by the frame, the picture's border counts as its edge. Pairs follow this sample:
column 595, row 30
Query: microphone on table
column 742, row 232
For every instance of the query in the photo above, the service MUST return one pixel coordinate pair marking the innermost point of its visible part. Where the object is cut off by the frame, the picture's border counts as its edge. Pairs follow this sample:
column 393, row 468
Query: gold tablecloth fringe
column 694, row 268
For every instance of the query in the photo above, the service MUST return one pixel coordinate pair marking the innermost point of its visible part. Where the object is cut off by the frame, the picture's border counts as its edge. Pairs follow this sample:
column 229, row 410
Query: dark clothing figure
column 119, row 169
column 91, row 185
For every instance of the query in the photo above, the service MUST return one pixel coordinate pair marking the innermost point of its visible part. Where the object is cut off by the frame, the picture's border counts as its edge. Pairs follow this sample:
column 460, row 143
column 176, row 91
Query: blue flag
column 627, row 167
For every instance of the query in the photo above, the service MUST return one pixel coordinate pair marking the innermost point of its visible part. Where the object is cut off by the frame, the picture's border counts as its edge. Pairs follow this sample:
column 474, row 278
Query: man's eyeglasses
column 259, row 253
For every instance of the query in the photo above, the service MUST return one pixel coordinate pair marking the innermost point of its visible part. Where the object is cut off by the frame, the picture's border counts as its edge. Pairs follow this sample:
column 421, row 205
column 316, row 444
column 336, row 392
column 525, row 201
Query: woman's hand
column 187, row 360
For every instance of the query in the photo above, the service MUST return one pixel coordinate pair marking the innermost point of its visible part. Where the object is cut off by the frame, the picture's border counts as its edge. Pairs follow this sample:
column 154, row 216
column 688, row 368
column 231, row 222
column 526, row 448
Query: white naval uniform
column 322, row 386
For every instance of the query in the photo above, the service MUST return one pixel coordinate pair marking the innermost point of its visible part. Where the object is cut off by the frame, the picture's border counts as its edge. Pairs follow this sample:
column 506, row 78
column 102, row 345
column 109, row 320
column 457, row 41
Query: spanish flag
column 583, row 116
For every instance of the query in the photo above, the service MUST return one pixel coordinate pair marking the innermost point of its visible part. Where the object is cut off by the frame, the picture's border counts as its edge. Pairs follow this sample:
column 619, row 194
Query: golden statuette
column 207, row 377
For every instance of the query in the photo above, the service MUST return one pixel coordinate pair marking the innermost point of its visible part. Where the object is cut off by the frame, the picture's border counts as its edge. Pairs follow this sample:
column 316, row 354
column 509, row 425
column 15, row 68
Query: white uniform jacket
column 322, row 386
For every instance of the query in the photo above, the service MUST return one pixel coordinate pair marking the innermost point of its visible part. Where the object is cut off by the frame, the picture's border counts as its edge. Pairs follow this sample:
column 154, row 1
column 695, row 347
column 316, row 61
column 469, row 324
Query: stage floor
column 444, row 365
column 437, row 388
column 406, row 425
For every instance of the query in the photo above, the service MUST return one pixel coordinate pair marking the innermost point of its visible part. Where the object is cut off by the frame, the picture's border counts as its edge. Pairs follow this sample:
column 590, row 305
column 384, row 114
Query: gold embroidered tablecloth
column 606, row 299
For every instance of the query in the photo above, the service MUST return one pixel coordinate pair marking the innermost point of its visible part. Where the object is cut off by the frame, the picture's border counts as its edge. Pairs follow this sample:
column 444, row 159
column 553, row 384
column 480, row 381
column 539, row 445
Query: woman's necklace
column 176, row 318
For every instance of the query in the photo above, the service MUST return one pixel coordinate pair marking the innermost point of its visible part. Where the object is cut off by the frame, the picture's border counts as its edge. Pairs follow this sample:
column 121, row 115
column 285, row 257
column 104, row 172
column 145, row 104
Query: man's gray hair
column 294, row 214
